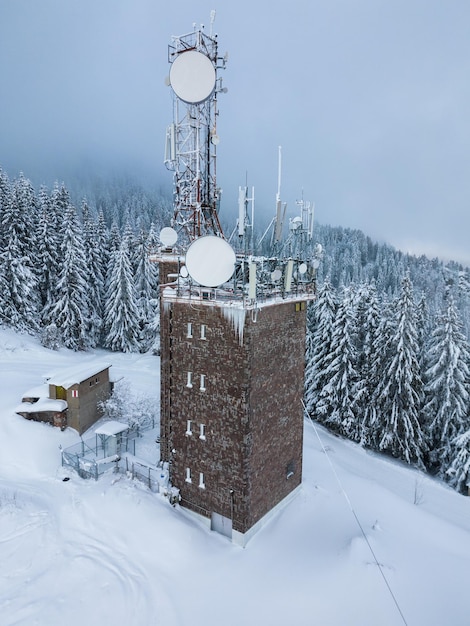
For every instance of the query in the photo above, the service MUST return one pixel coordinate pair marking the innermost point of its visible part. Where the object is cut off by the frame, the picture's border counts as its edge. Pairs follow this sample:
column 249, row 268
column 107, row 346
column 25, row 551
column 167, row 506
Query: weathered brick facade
column 231, row 411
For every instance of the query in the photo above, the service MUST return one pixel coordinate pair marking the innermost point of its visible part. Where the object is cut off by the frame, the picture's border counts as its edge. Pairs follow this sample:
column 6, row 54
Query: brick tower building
column 232, row 375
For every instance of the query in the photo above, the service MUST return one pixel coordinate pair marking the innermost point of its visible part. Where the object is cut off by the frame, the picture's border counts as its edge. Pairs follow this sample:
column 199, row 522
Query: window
column 202, row 431
column 189, row 382
column 188, row 475
column 74, row 393
column 203, row 331
column 290, row 470
column 201, row 481
column 188, row 428
column 202, row 386
column 189, row 331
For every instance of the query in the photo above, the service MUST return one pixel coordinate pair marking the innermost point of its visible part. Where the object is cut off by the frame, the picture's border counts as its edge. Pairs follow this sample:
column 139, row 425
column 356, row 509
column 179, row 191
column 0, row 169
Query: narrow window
column 202, row 431
column 189, row 382
column 203, row 331
column 203, row 382
column 189, row 333
column 188, row 428
column 201, row 481
column 290, row 470
column 74, row 393
column 188, row 475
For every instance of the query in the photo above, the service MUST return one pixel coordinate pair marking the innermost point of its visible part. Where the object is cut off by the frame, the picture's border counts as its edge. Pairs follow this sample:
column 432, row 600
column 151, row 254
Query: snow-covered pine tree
column 337, row 400
column 423, row 329
column 447, row 380
column 71, row 311
column 48, row 253
column 121, row 311
column 366, row 341
column 318, row 355
column 397, row 427
column 19, row 294
column 96, row 273
column 146, row 283
column 458, row 474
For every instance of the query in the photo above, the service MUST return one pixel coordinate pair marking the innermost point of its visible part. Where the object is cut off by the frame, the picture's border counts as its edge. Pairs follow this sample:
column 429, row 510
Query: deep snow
column 85, row 552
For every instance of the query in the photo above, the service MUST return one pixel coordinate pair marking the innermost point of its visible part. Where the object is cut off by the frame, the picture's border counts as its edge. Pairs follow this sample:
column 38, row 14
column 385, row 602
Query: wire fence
column 93, row 457
column 153, row 477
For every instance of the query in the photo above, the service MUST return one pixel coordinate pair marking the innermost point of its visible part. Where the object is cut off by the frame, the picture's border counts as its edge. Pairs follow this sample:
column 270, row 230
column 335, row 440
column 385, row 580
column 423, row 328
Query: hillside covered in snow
column 112, row 551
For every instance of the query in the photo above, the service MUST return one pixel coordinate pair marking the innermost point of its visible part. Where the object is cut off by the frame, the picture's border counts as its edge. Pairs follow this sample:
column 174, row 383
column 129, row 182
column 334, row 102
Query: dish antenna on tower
column 210, row 261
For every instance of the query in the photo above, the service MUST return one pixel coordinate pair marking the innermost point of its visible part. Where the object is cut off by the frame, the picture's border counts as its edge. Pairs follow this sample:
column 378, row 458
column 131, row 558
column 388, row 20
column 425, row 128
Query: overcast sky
column 369, row 99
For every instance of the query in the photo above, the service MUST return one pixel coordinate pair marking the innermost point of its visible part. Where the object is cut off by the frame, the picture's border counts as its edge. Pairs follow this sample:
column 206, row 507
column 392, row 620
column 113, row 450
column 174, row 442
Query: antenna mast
column 191, row 139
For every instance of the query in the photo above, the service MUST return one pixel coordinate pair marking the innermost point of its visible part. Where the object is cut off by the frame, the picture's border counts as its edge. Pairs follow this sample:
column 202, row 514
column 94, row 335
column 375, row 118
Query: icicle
column 237, row 318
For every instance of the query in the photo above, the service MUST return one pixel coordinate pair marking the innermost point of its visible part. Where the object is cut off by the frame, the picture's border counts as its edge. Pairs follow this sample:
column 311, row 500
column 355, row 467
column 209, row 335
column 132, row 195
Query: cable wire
column 355, row 516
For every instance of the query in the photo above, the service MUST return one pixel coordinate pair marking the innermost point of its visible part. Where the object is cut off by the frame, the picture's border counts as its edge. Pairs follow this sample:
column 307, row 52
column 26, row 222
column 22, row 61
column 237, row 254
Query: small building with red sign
column 71, row 398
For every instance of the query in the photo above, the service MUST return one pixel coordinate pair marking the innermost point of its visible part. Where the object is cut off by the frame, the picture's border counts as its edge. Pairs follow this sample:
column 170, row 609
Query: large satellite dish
column 210, row 261
column 192, row 77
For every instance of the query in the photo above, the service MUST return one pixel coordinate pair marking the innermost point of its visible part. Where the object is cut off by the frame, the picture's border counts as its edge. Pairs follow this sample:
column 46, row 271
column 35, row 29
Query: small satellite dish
column 276, row 274
column 184, row 271
column 215, row 140
column 168, row 236
column 192, row 77
column 302, row 268
column 210, row 261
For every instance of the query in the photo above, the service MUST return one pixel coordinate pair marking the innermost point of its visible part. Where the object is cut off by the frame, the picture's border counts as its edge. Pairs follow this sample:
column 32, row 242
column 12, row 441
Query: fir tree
column 337, row 400
column 121, row 311
column 398, row 429
column 367, row 341
column 18, row 283
column 48, row 253
column 447, row 386
column 146, row 292
column 319, row 335
column 71, row 311
column 96, row 272
column 458, row 473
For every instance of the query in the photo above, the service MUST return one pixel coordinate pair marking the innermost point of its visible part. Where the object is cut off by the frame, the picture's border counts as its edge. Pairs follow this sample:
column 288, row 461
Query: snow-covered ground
column 84, row 552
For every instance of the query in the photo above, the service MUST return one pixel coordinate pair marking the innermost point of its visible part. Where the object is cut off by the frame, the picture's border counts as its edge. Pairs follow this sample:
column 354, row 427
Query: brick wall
column 250, row 408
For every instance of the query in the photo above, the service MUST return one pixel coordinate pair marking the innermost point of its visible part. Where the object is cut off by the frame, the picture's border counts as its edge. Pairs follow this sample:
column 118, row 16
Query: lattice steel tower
column 191, row 140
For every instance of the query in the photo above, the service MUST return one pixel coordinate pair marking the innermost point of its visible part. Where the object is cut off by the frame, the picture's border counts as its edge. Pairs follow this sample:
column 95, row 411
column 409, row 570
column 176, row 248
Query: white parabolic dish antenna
column 210, row 261
column 168, row 236
column 192, row 77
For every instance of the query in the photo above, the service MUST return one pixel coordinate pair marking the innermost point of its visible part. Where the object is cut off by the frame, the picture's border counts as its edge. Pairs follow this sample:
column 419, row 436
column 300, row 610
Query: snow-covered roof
column 41, row 391
column 41, row 406
column 111, row 428
column 76, row 375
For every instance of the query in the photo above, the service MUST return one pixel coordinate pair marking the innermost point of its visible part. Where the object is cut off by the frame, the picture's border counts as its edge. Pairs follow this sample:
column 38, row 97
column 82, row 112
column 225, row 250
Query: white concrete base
column 241, row 539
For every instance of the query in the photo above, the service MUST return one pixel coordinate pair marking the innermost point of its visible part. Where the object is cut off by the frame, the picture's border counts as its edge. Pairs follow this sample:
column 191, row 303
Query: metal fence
column 150, row 476
column 93, row 457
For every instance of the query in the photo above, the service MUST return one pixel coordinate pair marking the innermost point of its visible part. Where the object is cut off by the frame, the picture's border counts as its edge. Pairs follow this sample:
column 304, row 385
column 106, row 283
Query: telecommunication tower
column 191, row 140
column 232, row 326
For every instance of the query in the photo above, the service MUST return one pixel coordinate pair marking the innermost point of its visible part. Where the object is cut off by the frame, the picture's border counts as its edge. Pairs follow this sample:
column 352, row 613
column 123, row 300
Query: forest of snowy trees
column 387, row 359
column 79, row 278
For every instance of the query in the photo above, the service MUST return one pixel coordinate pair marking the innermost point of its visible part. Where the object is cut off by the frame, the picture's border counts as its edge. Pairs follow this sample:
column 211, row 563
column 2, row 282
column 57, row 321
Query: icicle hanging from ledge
column 236, row 316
